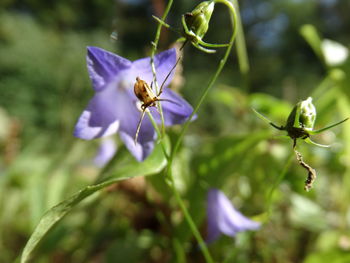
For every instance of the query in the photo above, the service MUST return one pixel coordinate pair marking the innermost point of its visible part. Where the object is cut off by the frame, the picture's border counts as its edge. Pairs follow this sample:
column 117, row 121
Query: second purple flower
column 114, row 107
column 223, row 218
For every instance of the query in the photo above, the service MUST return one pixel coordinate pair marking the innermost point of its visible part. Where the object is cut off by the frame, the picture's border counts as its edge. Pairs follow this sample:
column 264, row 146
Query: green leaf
column 152, row 165
column 264, row 118
column 328, row 127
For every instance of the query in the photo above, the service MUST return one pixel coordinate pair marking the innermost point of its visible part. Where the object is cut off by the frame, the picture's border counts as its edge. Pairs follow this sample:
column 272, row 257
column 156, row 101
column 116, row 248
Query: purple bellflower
column 115, row 108
column 105, row 152
column 223, row 218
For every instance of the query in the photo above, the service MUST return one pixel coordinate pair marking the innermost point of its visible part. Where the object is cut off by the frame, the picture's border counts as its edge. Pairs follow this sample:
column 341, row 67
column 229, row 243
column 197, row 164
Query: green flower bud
column 198, row 20
column 301, row 120
column 307, row 114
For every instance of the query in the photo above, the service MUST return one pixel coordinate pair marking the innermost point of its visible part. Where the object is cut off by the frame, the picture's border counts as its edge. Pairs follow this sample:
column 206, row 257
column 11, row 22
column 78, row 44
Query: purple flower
column 223, row 218
column 106, row 152
column 114, row 105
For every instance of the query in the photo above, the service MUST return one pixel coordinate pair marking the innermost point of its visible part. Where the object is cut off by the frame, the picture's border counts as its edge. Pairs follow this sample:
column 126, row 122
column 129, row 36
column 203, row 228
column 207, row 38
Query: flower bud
column 307, row 115
column 198, row 20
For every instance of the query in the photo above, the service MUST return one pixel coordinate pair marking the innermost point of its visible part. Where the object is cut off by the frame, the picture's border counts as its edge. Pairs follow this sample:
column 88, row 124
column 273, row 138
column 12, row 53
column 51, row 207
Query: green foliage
column 49, row 185
column 154, row 164
column 42, row 73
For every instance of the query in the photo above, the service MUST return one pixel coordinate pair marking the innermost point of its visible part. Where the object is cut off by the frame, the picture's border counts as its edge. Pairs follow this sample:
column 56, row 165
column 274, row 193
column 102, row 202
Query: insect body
column 148, row 98
column 145, row 94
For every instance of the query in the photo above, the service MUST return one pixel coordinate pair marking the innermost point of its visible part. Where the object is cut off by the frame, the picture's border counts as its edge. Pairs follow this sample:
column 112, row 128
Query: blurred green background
column 44, row 86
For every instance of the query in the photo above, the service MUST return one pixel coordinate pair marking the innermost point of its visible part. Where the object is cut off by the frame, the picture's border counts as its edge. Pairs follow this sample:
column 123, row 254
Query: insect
column 146, row 95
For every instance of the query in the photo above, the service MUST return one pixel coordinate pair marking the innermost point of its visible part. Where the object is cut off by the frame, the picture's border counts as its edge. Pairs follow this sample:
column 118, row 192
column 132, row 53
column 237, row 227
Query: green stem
column 222, row 63
column 176, row 193
column 241, row 46
column 214, row 78
column 189, row 219
column 153, row 52
column 276, row 183
column 154, row 124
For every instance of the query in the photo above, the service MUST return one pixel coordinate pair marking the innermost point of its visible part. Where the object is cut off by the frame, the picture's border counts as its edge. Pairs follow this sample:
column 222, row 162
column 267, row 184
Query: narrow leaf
column 264, row 118
column 153, row 164
column 309, row 141
column 328, row 127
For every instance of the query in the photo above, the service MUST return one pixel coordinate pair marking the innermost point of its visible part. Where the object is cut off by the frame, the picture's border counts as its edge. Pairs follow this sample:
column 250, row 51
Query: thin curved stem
column 176, row 193
column 155, row 126
column 154, row 50
column 189, row 219
column 214, row 78
column 276, row 183
column 241, row 46
column 185, row 127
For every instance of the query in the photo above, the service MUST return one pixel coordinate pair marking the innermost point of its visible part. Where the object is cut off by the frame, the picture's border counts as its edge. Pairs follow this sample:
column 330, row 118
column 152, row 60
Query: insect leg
column 139, row 125
column 170, row 101
column 166, row 78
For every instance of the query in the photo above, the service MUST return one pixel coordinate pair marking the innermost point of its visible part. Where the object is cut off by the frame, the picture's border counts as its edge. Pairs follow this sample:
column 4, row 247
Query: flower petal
column 105, row 153
column 99, row 119
column 129, row 117
column 224, row 218
column 213, row 231
column 177, row 111
column 163, row 63
column 103, row 66
column 140, row 150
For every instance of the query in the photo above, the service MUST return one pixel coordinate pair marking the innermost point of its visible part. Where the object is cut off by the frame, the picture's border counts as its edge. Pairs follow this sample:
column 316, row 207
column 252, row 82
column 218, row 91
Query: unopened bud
column 302, row 119
column 307, row 114
column 198, row 20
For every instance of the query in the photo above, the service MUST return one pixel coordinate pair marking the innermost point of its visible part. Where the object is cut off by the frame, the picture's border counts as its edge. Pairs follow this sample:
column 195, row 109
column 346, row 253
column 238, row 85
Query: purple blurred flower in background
column 106, row 152
column 223, row 218
column 114, row 107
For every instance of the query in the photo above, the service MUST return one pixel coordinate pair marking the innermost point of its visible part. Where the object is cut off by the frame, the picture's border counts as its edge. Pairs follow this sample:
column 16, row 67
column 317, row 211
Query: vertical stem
column 172, row 184
column 222, row 63
column 241, row 46
column 241, row 50
column 154, row 49
column 276, row 183
column 189, row 219
column 214, row 78
column 155, row 126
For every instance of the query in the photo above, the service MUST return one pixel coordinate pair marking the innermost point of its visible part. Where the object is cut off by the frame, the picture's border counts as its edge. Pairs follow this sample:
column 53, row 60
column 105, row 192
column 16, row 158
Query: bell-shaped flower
column 115, row 108
column 223, row 218
column 105, row 152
